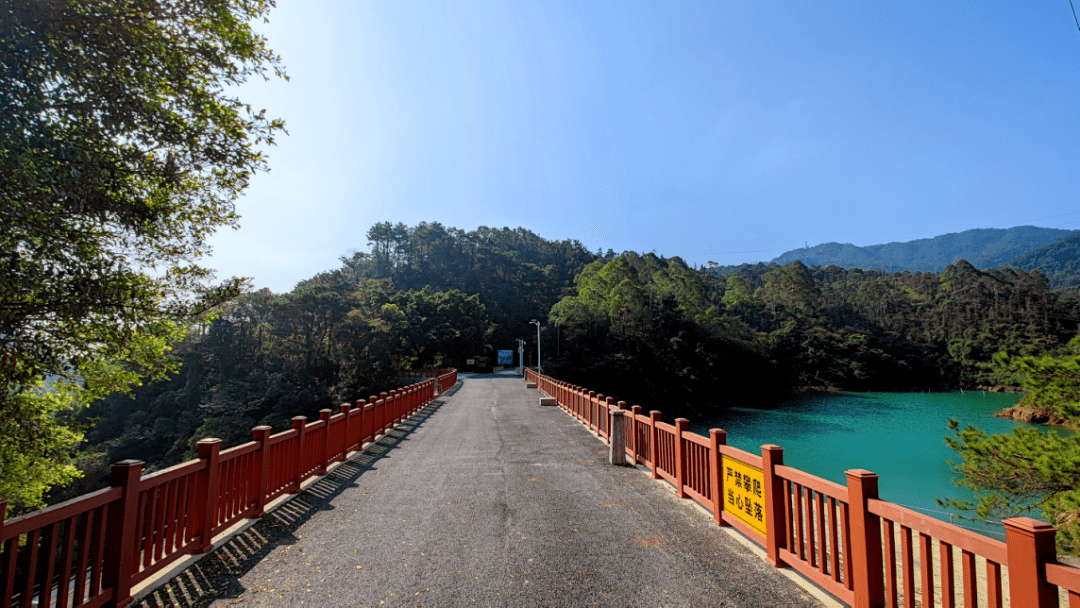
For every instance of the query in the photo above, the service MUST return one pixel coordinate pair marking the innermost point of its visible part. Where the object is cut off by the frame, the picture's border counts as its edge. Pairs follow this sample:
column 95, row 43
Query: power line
column 1074, row 15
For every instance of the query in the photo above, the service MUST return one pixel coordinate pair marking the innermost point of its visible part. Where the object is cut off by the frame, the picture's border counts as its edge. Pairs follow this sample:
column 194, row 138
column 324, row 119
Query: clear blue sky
column 710, row 130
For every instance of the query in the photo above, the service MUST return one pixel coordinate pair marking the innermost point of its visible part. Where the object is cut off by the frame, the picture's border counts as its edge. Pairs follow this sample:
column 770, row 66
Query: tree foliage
column 121, row 151
column 266, row 358
column 1027, row 470
column 1019, row 473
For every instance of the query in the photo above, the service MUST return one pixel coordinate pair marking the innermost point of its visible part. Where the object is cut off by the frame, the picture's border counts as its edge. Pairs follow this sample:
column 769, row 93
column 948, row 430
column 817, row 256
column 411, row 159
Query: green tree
column 1019, row 473
column 1051, row 384
column 1028, row 470
column 737, row 292
column 121, row 151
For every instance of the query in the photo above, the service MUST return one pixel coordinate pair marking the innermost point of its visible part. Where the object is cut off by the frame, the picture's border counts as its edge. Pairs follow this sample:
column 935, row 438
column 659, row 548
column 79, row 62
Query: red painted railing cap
column 1028, row 524
column 207, row 440
column 860, row 473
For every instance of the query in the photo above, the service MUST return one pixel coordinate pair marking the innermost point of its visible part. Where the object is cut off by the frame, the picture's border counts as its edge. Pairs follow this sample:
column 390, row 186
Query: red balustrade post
column 681, row 426
column 261, row 435
column 654, row 417
column 345, row 411
column 717, row 438
column 210, row 483
column 775, row 502
column 1030, row 546
column 363, row 420
column 299, row 424
column 866, row 556
column 120, row 559
column 324, row 415
column 376, row 419
column 634, row 412
column 589, row 415
column 395, row 409
column 383, row 414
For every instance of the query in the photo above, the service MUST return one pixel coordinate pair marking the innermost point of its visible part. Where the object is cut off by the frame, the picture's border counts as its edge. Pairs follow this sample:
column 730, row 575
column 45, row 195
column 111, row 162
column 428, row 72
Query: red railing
column 90, row 551
column 866, row 551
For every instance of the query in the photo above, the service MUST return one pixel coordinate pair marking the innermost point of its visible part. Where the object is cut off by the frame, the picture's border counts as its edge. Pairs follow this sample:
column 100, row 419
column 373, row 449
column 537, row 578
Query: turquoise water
column 899, row 436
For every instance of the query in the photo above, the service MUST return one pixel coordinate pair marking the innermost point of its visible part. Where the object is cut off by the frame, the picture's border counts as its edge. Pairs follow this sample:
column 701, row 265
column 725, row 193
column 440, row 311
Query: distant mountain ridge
column 1059, row 261
column 982, row 247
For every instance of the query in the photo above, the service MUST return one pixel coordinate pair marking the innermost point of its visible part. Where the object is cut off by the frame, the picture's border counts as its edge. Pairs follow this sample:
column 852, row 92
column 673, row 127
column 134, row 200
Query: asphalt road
column 489, row 499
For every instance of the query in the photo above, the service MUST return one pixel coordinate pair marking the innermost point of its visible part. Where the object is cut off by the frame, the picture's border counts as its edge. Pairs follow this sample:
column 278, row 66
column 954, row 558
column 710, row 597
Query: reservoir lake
column 899, row 436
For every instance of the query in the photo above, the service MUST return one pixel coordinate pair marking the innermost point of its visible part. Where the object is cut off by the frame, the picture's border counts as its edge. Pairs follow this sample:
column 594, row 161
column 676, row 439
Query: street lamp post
column 537, row 324
column 521, row 357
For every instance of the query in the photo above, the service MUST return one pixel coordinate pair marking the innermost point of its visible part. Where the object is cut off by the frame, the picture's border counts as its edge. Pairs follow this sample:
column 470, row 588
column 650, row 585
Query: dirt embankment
column 1035, row 415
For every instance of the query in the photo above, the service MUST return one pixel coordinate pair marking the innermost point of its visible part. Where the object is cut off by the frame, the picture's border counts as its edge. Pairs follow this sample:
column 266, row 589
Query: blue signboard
column 506, row 357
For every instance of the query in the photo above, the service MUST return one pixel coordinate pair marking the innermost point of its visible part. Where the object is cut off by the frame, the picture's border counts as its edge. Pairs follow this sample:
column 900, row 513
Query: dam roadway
column 486, row 498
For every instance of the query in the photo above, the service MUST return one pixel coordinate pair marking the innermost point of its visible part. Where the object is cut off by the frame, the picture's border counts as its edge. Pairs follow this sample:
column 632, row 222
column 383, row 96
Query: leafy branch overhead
column 122, row 149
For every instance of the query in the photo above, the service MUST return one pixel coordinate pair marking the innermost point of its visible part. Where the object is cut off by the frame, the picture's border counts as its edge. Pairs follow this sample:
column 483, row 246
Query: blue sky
column 729, row 132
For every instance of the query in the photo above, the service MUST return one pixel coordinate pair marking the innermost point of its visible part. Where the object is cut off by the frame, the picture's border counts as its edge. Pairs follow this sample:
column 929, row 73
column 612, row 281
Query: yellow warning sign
column 744, row 493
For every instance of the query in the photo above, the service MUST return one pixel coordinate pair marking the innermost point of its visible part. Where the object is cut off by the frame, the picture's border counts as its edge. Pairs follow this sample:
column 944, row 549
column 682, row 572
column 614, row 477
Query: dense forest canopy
column 1059, row 261
column 420, row 297
column 644, row 328
column 806, row 327
column 650, row 330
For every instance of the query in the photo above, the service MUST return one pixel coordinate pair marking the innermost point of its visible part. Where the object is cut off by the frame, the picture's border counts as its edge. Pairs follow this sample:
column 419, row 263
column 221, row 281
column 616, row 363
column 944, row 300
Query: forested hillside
column 658, row 332
column 421, row 297
column 982, row 247
column 646, row 329
column 517, row 274
column 1059, row 261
